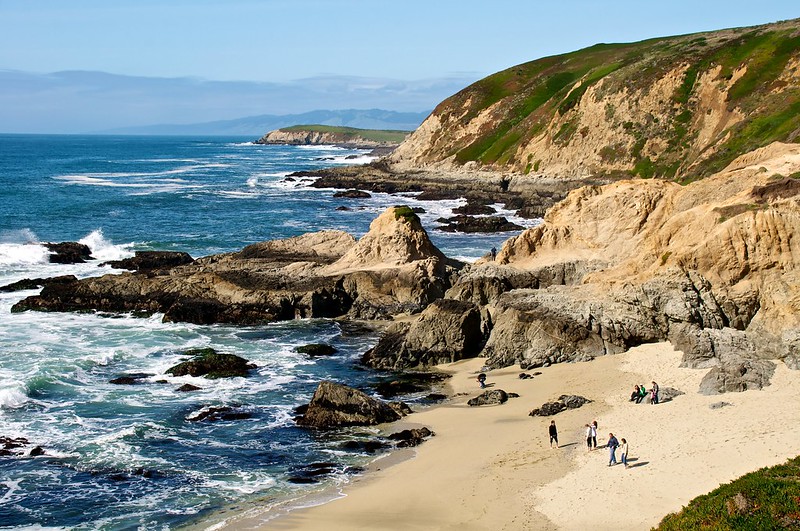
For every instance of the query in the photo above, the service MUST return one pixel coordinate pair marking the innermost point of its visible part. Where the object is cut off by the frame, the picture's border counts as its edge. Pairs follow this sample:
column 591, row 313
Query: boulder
column 217, row 413
column 336, row 405
column 211, row 364
column 353, row 194
column 317, row 349
column 737, row 376
column 68, row 252
column 488, row 398
column 130, row 379
column 471, row 224
column 412, row 437
column 564, row 402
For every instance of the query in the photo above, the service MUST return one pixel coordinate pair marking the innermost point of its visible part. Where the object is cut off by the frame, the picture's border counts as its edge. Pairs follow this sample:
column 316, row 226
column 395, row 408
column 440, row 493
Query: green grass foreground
column 765, row 499
column 352, row 134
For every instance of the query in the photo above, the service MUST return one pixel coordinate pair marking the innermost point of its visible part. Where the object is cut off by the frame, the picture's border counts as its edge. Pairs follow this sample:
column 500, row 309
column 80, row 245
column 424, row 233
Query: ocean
column 134, row 456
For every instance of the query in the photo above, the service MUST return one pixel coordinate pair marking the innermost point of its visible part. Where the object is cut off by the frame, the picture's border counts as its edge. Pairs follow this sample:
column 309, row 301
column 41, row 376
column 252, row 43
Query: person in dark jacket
column 553, row 434
column 612, row 445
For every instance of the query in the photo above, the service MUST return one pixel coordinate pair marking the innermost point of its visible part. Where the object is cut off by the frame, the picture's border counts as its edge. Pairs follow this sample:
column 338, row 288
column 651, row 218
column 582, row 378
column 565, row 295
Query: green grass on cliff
column 353, row 134
column 543, row 97
column 766, row 499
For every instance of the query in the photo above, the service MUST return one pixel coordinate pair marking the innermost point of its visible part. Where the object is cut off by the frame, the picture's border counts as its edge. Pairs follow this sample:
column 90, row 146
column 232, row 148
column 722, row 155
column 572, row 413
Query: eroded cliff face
column 711, row 266
column 676, row 108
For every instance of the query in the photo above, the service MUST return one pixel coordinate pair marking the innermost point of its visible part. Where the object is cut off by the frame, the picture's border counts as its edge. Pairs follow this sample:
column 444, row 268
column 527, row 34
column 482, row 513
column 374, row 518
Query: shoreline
column 490, row 467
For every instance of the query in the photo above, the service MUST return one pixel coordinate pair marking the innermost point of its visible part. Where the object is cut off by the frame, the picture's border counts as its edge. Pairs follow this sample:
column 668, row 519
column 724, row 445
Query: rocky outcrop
column 563, row 403
column 336, row 405
column 211, row 364
column 68, row 252
column 446, row 331
column 150, row 260
column 36, row 283
column 340, row 136
column 394, row 268
column 489, row 398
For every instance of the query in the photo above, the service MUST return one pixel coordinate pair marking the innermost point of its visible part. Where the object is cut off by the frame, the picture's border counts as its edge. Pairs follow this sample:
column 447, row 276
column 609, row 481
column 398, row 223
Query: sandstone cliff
column 677, row 108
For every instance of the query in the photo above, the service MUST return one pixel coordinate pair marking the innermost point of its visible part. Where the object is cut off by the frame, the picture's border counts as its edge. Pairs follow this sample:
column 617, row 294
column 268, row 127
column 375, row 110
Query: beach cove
column 491, row 467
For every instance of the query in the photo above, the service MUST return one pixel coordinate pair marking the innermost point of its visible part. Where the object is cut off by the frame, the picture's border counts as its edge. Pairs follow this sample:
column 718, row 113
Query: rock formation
column 336, row 405
column 394, row 268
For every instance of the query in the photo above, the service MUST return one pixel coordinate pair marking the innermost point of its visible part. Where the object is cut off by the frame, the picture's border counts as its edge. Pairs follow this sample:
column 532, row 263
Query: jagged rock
column 335, row 405
column 491, row 397
column 317, row 349
column 211, row 364
column 474, row 209
column 412, row 437
column 149, row 260
column 36, row 283
column 446, row 331
column 68, row 252
column 564, row 402
column 185, row 388
column 737, row 376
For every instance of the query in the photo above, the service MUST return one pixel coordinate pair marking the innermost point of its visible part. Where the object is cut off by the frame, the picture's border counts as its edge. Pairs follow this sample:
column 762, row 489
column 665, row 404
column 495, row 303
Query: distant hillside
column 256, row 125
column 326, row 134
column 676, row 108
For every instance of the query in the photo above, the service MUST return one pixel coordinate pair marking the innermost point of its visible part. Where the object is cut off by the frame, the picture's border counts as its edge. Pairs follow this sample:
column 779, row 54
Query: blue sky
column 283, row 41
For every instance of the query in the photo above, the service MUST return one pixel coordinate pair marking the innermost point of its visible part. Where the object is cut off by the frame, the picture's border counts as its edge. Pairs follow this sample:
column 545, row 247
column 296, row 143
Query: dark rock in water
column 418, row 210
column 563, row 402
column 353, row 194
column 369, row 447
column 474, row 209
column 68, row 252
column 36, row 451
column 469, row 224
column 185, row 388
column 211, row 364
column 317, row 349
column 491, row 397
column 343, row 208
column 216, row 413
column 401, row 408
column 408, row 438
column 150, row 260
column 36, row 283
column 335, row 405
column 15, row 447
column 130, row 379
column 310, row 473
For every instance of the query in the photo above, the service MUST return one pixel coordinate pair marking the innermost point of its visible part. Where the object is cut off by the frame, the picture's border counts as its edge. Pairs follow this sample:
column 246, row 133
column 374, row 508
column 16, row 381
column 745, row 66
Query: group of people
column 640, row 391
column 591, row 441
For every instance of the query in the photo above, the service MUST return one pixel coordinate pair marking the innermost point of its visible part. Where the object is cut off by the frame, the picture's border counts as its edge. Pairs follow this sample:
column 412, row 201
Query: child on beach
column 624, row 450
column 589, row 437
column 654, row 394
column 553, row 434
column 482, row 380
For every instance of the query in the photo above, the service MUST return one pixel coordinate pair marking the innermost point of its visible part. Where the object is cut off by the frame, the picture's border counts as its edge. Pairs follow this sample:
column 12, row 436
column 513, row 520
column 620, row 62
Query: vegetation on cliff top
column 757, row 69
column 765, row 499
column 352, row 134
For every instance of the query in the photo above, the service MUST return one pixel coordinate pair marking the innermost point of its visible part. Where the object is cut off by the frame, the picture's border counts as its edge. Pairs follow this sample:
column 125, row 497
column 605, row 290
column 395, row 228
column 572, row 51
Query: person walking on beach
column 553, row 434
column 612, row 448
column 654, row 394
column 589, row 436
column 624, row 450
column 594, row 434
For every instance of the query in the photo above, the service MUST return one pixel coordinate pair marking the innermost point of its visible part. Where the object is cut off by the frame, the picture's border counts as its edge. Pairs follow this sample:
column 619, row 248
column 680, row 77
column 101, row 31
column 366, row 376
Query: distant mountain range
column 257, row 126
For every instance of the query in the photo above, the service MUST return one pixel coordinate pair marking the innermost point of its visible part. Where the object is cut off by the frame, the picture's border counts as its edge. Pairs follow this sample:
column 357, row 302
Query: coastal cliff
column 678, row 108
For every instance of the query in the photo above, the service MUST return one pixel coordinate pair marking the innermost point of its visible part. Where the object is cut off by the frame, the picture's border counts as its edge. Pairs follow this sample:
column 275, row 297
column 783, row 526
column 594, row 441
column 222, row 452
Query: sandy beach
column 491, row 467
